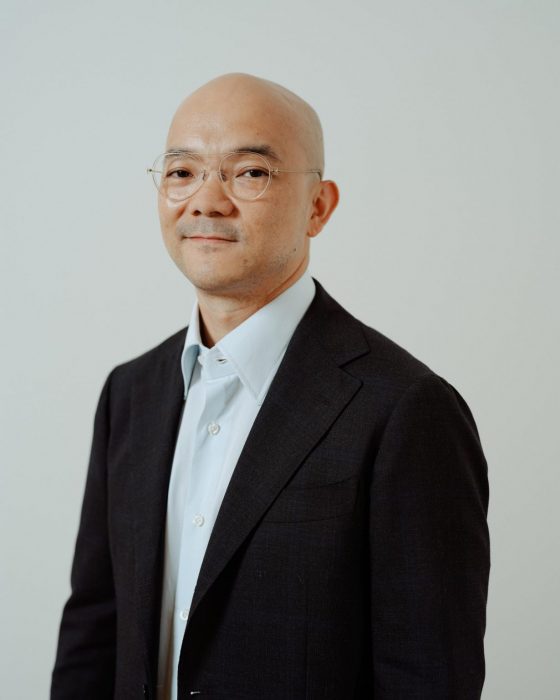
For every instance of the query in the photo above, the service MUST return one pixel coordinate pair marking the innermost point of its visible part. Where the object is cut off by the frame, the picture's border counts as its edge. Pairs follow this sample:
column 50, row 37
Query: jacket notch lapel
column 306, row 396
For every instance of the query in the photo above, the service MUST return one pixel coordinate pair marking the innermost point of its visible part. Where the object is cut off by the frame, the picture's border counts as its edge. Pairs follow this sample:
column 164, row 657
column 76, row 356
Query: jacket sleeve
column 429, row 549
column 85, row 660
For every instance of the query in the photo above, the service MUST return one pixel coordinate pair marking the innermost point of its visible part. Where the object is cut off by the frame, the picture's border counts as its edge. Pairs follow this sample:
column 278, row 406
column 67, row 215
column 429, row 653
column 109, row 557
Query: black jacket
column 350, row 556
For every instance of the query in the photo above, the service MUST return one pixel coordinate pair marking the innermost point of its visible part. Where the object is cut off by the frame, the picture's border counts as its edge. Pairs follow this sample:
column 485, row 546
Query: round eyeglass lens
column 178, row 175
column 247, row 175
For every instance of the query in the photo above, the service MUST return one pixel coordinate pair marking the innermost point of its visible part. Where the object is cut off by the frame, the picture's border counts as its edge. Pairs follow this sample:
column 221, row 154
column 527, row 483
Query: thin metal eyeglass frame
column 205, row 173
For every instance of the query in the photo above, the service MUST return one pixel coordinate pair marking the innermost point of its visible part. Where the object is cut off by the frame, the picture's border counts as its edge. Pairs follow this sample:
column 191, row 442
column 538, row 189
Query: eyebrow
column 261, row 149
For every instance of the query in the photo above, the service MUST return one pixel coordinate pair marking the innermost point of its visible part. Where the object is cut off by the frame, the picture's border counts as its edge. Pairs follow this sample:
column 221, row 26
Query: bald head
column 233, row 248
column 264, row 103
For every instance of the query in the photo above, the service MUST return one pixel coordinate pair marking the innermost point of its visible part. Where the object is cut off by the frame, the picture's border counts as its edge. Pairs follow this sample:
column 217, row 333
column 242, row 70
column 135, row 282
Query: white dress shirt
column 225, row 387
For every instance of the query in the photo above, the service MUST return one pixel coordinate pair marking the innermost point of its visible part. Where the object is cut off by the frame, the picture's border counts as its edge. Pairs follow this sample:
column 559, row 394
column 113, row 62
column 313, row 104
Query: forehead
column 221, row 126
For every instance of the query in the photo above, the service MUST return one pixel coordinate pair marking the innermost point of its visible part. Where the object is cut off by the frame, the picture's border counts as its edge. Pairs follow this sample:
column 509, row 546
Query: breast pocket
column 300, row 504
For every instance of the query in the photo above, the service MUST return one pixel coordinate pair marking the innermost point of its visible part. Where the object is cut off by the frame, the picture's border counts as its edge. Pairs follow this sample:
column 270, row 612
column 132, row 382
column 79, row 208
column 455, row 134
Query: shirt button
column 184, row 614
column 198, row 520
column 213, row 428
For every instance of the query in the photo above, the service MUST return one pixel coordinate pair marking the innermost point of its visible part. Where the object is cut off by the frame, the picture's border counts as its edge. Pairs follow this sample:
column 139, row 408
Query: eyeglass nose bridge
column 205, row 173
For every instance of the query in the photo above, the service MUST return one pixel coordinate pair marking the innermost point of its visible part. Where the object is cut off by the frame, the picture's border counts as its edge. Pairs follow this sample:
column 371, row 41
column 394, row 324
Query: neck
column 221, row 314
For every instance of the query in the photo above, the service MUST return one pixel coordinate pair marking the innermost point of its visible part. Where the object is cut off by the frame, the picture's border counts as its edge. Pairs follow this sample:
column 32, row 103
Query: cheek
column 279, row 224
column 167, row 219
column 166, row 213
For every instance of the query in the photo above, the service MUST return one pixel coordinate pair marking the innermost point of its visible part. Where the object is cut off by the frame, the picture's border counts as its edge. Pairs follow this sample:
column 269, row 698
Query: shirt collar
column 255, row 347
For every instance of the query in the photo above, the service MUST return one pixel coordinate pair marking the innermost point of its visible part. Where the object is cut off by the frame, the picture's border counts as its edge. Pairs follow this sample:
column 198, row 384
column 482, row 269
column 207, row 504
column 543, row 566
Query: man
column 280, row 502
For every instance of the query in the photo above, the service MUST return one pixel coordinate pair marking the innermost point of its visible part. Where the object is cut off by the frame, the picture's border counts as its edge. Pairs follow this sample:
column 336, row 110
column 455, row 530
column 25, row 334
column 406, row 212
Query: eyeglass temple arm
column 280, row 170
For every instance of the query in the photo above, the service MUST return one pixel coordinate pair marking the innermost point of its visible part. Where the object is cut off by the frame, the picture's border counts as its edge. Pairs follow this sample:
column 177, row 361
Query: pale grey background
column 441, row 121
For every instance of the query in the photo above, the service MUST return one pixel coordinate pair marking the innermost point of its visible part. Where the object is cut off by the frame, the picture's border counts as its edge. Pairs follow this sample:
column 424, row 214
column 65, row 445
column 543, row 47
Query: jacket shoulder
column 390, row 360
column 362, row 350
column 391, row 373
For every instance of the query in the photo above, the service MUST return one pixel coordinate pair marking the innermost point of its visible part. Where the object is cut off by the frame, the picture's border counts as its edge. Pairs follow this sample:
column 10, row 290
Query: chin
column 213, row 283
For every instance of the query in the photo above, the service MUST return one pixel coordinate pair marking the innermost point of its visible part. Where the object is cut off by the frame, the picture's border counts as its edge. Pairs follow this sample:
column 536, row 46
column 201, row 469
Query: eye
column 179, row 173
column 250, row 173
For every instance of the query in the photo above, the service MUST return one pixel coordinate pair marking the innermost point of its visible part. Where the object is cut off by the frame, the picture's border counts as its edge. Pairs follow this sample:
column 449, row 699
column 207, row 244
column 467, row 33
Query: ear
column 324, row 203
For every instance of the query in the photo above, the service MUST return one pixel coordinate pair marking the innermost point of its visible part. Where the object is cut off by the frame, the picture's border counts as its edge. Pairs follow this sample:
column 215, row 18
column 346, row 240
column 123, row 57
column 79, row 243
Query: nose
column 211, row 198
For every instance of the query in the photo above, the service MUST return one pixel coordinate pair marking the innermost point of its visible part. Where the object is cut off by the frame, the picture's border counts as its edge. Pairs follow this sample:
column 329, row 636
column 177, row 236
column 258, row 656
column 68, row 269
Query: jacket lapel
column 156, row 405
column 307, row 394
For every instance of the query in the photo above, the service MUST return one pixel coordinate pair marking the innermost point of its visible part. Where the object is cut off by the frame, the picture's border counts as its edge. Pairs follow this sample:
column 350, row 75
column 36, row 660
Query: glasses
column 244, row 175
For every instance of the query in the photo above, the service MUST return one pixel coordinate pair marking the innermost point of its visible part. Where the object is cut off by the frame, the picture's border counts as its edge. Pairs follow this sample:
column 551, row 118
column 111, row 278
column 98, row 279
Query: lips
column 201, row 237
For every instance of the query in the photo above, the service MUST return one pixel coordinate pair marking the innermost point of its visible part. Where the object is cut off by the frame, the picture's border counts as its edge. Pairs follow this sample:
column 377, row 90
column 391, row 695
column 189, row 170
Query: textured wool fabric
column 350, row 557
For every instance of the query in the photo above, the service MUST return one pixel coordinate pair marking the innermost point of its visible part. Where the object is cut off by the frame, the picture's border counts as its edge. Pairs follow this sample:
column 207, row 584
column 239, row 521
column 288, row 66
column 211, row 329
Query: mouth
column 208, row 239
column 208, row 231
